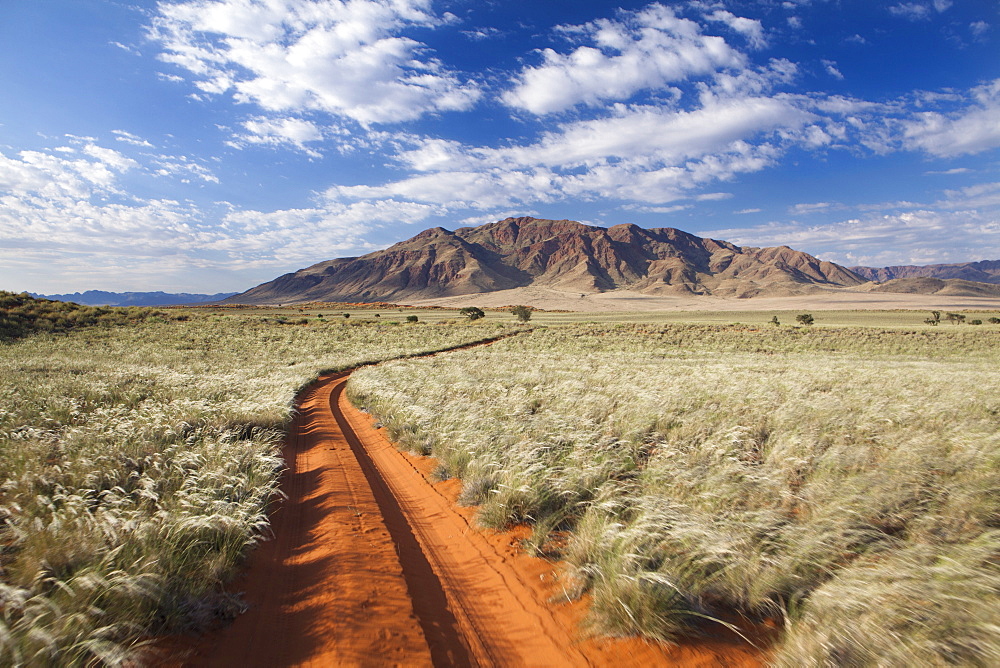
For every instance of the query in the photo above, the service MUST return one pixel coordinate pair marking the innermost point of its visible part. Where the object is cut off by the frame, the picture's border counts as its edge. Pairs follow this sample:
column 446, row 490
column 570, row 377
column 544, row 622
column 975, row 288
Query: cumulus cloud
column 972, row 128
column 348, row 58
column 645, row 50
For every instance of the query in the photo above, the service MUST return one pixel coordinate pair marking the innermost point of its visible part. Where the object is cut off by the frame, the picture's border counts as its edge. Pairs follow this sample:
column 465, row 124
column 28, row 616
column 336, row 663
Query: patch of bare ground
column 624, row 300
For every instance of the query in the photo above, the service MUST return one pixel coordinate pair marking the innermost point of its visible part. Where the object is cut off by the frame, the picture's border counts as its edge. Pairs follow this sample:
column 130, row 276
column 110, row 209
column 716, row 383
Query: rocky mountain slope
column 985, row 271
column 559, row 254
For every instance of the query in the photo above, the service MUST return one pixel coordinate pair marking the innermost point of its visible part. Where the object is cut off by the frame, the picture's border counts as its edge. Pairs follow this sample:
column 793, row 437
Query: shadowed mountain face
column 986, row 271
column 559, row 254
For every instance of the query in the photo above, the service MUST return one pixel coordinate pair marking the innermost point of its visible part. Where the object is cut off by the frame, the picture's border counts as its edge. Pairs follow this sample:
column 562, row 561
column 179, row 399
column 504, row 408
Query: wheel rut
column 371, row 564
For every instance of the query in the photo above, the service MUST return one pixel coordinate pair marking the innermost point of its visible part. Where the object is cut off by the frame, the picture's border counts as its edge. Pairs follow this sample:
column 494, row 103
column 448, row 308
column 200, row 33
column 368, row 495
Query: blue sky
column 211, row 145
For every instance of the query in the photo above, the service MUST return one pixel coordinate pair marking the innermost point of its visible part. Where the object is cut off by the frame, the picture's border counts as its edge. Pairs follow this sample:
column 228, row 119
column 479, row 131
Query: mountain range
column 558, row 254
column 986, row 271
column 102, row 298
column 568, row 257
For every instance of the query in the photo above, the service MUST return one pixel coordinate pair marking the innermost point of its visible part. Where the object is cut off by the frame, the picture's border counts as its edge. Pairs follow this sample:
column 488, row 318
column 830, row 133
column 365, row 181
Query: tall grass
column 138, row 464
column 845, row 482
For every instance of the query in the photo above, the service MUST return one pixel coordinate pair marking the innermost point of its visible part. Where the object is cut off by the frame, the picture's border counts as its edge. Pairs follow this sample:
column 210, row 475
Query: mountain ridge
column 983, row 271
column 559, row 254
column 158, row 298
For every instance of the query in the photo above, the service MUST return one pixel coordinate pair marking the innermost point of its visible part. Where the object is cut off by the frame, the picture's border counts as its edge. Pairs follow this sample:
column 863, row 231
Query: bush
column 805, row 319
column 522, row 313
column 472, row 312
column 412, row 318
column 994, row 321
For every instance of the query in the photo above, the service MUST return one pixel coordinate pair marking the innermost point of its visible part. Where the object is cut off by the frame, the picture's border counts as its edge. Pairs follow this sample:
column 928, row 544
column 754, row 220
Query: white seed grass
column 710, row 468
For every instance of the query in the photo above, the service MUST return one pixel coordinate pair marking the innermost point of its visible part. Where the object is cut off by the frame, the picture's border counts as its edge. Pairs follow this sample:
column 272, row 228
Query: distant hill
column 102, row 298
column 950, row 287
column 561, row 254
column 986, row 271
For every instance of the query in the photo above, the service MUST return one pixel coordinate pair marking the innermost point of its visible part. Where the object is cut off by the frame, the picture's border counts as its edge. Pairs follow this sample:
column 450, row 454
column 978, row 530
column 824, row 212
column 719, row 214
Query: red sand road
column 374, row 565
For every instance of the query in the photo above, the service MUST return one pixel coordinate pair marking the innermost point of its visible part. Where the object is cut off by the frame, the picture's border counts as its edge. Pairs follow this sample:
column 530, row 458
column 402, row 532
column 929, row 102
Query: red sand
column 374, row 565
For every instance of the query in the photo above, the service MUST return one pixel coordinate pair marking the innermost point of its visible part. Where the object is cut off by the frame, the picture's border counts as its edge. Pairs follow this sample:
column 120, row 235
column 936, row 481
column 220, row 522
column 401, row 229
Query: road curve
column 373, row 565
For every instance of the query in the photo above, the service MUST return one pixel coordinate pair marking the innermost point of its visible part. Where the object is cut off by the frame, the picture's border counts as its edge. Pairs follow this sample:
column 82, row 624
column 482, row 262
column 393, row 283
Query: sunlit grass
column 844, row 481
column 138, row 463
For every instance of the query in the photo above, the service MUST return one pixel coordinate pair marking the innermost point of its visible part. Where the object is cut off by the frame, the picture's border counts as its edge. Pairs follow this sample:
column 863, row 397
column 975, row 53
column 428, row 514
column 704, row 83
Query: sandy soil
column 625, row 300
column 374, row 565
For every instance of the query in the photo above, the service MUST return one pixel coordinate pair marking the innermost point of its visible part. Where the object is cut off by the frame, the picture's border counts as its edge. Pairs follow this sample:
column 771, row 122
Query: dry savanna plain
column 824, row 495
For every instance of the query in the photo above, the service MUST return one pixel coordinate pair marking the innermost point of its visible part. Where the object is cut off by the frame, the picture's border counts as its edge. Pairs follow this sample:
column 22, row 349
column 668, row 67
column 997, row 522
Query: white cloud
column 642, row 154
column 480, row 34
column 129, row 138
column 91, row 170
column 343, row 57
column 65, row 218
column 657, row 209
column 742, row 212
column 181, row 167
column 749, row 28
column 956, row 170
column 644, row 50
column 911, row 11
column 964, row 225
column 125, row 47
column 919, row 11
column 972, row 129
column 286, row 132
column 979, row 28
column 814, row 207
column 831, row 69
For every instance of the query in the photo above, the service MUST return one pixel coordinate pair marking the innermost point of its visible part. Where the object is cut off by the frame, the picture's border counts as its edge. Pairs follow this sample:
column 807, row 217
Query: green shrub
column 522, row 313
column 472, row 312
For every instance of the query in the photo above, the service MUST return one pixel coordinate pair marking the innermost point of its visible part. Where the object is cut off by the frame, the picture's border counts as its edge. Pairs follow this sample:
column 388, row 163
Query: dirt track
column 373, row 565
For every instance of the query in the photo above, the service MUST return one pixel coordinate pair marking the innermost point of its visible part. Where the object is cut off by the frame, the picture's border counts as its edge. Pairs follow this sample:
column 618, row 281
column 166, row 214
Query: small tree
column 994, row 321
column 935, row 318
column 774, row 321
column 347, row 315
column 472, row 312
column 805, row 319
column 522, row 313
column 412, row 318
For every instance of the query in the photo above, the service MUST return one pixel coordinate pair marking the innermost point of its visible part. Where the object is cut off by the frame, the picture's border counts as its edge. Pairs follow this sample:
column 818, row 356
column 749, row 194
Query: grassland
column 843, row 481
column 139, row 454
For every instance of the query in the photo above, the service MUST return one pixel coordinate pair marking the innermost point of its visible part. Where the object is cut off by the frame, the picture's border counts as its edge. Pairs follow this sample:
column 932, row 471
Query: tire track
column 372, row 565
